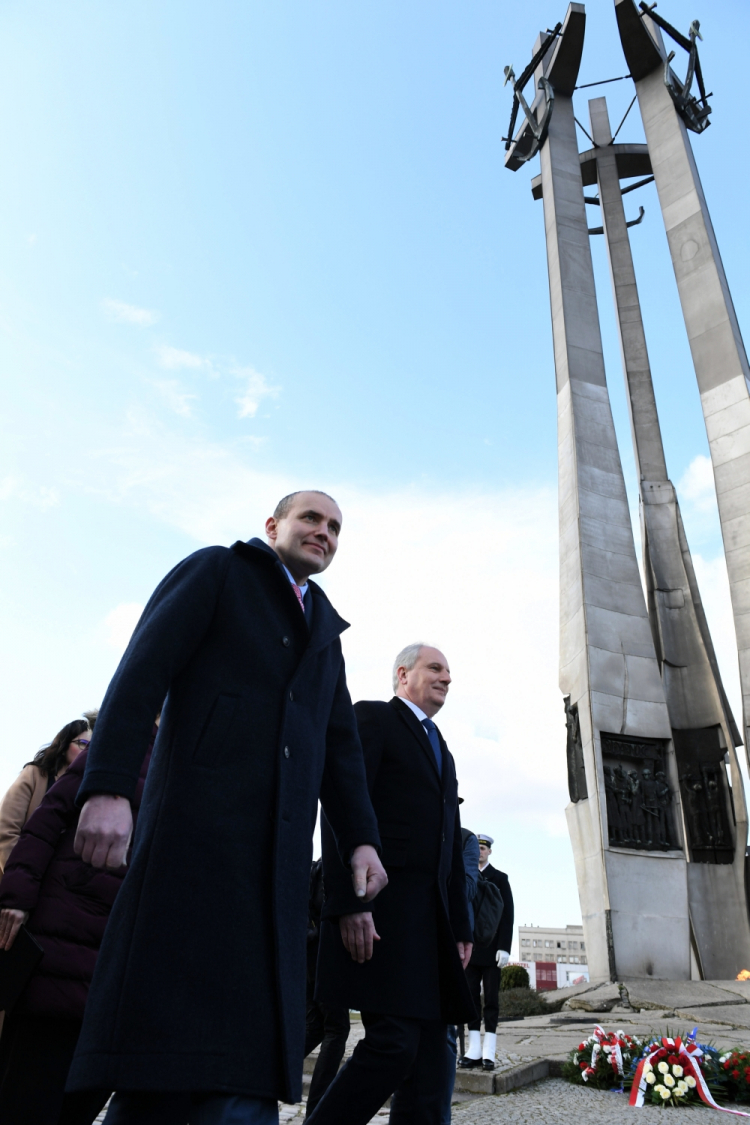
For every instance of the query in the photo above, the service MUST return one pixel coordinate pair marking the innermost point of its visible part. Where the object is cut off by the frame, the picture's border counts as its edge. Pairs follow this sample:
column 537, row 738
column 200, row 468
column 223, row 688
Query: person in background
column 327, row 1027
column 65, row 904
column 26, row 793
column 471, row 867
column 483, row 973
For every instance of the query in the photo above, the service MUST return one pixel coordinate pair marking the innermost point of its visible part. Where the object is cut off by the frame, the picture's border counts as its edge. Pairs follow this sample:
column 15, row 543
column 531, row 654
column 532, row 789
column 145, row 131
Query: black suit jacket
column 415, row 970
column 485, row 954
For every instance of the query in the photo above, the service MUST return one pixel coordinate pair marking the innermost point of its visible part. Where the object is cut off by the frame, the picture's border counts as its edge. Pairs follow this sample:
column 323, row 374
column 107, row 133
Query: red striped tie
column 298, row 592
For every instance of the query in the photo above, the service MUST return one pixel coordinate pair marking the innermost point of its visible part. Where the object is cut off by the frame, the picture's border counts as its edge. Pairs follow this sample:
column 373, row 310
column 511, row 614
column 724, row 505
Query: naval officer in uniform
column 483, row 973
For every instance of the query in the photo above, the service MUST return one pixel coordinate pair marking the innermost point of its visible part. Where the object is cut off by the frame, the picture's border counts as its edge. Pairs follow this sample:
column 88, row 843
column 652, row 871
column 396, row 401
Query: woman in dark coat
column 65, row 903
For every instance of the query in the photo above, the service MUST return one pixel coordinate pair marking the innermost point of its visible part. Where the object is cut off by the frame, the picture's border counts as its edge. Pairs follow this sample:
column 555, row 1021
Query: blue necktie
column 432, row 734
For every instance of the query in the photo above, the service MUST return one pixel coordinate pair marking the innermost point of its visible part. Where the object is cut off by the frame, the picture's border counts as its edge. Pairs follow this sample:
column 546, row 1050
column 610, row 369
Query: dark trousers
column 403, row 1057
column 328, row 1028
column 488, row 976
column 148, row 1108
column 451, row 1049
column 35, row 1056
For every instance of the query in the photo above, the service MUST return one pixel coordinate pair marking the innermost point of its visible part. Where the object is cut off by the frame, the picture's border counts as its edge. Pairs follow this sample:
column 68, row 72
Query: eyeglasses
column 82, row 742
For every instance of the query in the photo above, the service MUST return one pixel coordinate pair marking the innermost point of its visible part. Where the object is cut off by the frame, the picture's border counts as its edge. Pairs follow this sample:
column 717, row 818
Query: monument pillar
column 702, row 725
column 718, row 352
column 632, row 880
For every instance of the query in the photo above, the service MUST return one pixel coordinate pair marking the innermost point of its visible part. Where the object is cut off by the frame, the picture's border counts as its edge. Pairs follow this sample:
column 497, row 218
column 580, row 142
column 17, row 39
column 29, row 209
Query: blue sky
column 247, row 247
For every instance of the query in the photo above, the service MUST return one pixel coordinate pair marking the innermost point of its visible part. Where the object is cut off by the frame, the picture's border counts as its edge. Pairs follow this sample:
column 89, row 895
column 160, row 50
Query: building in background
column 550, row 943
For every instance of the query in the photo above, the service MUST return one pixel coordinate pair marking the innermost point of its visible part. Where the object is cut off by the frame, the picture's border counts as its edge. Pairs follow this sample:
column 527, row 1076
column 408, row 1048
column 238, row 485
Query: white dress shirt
column 417, row 710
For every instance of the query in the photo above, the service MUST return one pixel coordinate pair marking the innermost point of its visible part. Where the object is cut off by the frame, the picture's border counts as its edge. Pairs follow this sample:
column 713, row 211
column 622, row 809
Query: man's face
column 426, row 684
column 484, row 854
column 307, row 537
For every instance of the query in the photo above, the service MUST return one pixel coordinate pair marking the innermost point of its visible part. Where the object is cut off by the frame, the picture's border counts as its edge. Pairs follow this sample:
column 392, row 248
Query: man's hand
column 104, row 830
column 368, row 874
column 464, row 951
column 358, row 933
column 502, row 958
column 10, row 923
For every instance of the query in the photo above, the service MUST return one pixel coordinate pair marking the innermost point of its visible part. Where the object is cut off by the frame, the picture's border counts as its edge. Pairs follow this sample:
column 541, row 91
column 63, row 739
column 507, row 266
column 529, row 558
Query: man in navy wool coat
column 197, row 1006
column 401, row 961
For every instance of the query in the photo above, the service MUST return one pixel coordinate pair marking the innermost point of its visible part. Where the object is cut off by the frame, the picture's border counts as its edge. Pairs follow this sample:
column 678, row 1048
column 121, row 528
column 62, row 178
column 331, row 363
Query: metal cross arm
column 555, row 62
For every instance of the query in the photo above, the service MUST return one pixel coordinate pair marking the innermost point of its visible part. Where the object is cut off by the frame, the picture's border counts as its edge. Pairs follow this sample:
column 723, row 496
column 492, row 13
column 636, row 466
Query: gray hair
column 407, row 658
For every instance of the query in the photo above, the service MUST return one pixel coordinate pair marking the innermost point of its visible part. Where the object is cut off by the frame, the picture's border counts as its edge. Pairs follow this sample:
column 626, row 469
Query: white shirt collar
column 302, row 589
column 417, row 710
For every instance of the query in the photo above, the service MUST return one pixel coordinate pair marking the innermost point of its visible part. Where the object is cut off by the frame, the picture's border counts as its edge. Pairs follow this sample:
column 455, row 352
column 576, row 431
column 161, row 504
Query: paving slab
column 600, row 999
column 557, row 1102
column 675, row 994
column 734, row 1015
column 739, row 987
column 556, row 994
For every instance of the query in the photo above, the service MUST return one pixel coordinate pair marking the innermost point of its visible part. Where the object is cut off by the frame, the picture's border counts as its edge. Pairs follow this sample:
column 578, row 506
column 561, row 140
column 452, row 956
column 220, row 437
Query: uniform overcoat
column 415, row 971
column 484, row 955
column 200, row 983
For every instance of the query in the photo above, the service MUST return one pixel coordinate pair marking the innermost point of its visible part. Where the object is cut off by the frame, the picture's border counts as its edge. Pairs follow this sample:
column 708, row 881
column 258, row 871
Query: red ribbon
column 688, row 1055
column 615, row 1054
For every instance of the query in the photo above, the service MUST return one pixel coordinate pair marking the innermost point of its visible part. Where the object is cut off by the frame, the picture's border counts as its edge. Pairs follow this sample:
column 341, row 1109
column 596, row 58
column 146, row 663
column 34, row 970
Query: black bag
column 488, row 911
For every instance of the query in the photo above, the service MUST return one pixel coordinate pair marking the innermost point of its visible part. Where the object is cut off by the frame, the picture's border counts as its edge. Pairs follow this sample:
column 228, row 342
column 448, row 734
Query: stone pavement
column 530, row 1049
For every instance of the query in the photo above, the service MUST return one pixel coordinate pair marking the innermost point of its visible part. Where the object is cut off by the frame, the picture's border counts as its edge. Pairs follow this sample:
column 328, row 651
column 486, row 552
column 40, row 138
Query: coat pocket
column 394, row 839
column 211, row 747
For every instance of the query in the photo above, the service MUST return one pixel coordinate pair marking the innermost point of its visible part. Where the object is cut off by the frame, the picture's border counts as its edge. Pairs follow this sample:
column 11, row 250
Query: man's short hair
column 282, row 508
column 407, row 658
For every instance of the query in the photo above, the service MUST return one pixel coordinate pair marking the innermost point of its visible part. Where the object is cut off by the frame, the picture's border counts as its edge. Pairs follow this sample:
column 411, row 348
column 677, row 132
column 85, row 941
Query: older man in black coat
column 197, row 1007
column 401, row 962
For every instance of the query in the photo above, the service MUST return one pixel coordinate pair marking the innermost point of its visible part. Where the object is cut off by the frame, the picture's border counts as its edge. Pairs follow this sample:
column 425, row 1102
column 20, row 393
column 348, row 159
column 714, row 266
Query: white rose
column 682, row 1087
column 690, row 1082
column 651, row 1078
column 665, row 1093
column 663, row 1068
column 668, row 1080
column 647, row 1068
column 677, row 1071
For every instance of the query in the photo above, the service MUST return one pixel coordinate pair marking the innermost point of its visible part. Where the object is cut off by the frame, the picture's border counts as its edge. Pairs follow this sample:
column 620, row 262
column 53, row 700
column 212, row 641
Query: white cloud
column 38, row 495
column 256, row 389
column 177, row 399
column 475, row 570
column 697, row 484
column 129, row 314
column 120, row 623
column 175, row 358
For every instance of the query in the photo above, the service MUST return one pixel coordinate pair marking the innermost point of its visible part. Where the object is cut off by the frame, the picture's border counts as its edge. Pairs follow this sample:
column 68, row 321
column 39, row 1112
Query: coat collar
column 326, row 623
column 407, row 715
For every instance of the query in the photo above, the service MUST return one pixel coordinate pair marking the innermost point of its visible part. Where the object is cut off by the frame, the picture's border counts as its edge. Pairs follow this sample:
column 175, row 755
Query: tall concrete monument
column 658, row 827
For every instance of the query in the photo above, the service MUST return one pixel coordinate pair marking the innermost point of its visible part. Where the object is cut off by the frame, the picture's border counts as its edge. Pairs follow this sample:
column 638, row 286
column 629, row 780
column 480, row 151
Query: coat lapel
column 325, row 625
column 407, row 716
